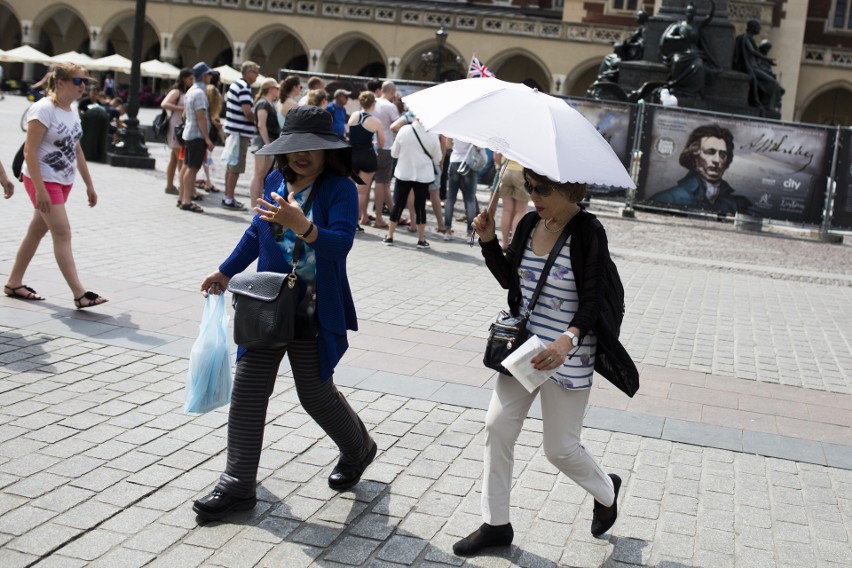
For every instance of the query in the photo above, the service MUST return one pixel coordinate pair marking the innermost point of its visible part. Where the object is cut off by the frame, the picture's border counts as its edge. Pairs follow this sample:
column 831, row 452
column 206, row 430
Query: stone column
column 239, row 53
column 394, row 68
column 558, row 83
column 168, row 49
column 315, row 62
column 97, row 43
column 29, row 36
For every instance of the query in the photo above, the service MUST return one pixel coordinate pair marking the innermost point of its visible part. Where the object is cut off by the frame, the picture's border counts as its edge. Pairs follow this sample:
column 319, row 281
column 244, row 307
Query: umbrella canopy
column 114, row 62
column 26, row 54
column 159, row 69
column 536, row 130
column 80, row 59
column 228, row 75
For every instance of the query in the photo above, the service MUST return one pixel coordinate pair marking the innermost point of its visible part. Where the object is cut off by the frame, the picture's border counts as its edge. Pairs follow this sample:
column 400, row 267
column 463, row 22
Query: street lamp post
column 131, row 151
column 441, row 38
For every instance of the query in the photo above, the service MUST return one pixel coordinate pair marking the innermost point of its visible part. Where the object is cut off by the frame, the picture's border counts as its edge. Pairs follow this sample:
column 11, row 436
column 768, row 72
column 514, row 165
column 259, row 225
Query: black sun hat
column 306, row 128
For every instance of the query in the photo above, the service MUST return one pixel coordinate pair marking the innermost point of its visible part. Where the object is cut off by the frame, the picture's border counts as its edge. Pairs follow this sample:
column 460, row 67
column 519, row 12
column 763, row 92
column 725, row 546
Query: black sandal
column 192, row 207
column 91, row 298
column 30, row 295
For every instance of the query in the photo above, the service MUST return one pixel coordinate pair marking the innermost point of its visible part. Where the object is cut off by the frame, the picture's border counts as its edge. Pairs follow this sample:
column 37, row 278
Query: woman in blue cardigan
column 313, row 162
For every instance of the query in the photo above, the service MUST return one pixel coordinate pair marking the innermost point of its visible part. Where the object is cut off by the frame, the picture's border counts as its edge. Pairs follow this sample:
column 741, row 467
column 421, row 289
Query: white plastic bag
column 231, row 152
column 208, row 380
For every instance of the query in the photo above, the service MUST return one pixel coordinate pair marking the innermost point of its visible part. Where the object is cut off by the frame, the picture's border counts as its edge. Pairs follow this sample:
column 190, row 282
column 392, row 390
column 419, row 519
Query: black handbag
column 161, row 124
column 508, row 332
column 267, row 310
column 179, row 133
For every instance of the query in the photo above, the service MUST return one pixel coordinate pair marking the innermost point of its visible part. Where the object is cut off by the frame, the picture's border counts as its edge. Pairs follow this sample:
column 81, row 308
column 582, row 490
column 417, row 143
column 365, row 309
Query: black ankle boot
column 484, row 537
column 604, row 517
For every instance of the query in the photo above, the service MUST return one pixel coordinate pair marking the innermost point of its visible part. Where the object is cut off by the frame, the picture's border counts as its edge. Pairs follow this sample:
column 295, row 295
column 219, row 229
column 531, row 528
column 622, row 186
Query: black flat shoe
column 344, row 476
column 218, row 504
column 486, row 536
column 604, row 517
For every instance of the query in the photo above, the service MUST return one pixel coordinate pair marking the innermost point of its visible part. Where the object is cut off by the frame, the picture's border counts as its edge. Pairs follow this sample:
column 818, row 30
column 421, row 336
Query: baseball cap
column 340, row 92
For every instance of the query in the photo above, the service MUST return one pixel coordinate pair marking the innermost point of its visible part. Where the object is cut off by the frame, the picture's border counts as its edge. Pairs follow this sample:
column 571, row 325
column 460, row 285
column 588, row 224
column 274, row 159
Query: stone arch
column 61, row 28
column 10, row 27
column 581, row 77
column 277, row 47
column 828, row 104
column 117, row 34
column 354, row 53
column 521, row 66
column 203, row 39
column 412, row 66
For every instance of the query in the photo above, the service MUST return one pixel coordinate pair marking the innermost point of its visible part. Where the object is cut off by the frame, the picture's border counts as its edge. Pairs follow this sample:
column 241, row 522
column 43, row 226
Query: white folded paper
column 518, row 363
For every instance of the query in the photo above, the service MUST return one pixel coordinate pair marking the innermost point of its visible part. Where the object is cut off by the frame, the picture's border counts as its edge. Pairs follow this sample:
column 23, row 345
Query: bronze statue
column 684, row 49
column 765, row 91
column 631, row 49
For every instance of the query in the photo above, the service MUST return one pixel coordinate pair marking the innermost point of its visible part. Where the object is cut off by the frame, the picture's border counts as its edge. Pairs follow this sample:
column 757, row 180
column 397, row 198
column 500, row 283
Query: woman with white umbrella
column 567, row 320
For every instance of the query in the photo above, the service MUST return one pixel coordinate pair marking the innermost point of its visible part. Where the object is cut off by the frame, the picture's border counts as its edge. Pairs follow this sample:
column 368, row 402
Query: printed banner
column 842, row 216
column 614, row 121
column 724, row 164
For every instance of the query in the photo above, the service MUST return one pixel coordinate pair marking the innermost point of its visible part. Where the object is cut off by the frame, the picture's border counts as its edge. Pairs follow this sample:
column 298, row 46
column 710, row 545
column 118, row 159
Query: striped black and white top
column 555, row 308
column 239, row 93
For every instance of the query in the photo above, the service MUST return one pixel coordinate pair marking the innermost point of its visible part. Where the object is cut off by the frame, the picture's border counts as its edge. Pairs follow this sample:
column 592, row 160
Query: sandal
column 212, row 189
column 30, row 293
column 198, row 197
column 191, row 207
column 91, row 299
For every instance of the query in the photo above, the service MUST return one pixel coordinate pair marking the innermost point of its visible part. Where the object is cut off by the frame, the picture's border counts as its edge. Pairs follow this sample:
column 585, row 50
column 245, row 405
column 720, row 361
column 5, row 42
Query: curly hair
column 693, row 144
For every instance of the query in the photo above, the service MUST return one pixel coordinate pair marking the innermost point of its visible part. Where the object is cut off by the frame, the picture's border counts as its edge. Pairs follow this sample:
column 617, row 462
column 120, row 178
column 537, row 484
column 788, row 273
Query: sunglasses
column 541, row 190
column 79, row 81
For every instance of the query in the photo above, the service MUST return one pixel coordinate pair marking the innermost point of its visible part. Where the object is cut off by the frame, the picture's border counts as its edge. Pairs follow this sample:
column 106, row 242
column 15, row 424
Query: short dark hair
column 574, row 191
column 315, row 83
column 693, row 144
column 374, row 85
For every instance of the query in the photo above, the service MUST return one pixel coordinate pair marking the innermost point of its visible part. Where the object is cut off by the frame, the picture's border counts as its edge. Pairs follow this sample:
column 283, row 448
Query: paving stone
column 401, row 549
column 352, row 551
column 92, row 545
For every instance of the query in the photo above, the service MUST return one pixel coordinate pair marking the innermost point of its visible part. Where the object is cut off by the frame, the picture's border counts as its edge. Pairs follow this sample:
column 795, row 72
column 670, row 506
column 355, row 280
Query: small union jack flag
column 477, row 69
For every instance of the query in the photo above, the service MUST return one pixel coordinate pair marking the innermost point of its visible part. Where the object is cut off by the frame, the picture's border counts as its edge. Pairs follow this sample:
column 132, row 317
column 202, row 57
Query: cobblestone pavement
column 98, row 465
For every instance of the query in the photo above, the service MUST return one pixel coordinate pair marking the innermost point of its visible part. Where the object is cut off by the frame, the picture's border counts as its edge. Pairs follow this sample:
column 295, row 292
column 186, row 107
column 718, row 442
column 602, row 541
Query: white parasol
column 536, row 130
column 158, row 69
column 228, row 75
column 114, row 62
column 80, row 59
column 26, row 54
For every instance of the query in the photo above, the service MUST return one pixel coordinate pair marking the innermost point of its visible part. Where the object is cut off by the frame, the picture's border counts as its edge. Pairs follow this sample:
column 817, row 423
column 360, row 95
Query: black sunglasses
column 80, row 81
column 542, row 190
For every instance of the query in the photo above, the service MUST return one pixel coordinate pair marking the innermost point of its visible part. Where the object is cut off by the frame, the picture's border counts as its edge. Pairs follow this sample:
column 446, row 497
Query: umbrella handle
column 492, row 201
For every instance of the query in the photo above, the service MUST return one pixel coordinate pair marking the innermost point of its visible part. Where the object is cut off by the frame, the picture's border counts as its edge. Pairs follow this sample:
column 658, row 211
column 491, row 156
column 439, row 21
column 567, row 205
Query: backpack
column 161, row 124
column 18, row 164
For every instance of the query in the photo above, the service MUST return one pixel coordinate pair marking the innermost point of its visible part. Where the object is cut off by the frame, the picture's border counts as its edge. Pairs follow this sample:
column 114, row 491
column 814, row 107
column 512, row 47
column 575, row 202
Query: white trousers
column 562, row 413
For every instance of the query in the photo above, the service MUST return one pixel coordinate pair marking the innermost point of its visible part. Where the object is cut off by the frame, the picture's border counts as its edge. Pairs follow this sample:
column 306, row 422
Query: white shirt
column 57, row 153
column 459, row 151
column 412, row 162
column 386, row 112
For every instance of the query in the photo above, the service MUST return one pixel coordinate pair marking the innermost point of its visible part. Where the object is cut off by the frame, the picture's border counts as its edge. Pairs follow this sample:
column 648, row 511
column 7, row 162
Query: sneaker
column 359, row 229
column 448, row 235
column 387, row 241
column 234, row 204
column 422, row 245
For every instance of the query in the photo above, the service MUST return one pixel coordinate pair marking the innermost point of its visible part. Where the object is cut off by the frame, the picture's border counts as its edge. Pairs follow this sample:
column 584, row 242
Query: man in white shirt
column 387, row 111
column 239, row 121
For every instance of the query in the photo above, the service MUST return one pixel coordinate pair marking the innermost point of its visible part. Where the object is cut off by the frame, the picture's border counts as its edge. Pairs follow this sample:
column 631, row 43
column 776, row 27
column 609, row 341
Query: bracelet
column 307, row 233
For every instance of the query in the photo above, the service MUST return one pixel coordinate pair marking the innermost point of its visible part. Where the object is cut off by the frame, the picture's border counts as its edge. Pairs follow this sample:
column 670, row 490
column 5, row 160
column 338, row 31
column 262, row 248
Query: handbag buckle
column 291, row 279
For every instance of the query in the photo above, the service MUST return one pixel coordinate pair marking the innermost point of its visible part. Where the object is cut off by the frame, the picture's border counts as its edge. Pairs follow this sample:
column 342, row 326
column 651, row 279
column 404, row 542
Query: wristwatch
column 575, row 341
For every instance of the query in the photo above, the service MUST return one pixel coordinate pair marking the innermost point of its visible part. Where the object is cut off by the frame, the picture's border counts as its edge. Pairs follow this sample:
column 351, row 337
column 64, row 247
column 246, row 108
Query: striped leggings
column 253, row 385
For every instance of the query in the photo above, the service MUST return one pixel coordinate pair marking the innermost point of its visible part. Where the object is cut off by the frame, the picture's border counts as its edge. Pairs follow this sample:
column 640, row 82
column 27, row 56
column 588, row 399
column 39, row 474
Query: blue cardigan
column 335, row 214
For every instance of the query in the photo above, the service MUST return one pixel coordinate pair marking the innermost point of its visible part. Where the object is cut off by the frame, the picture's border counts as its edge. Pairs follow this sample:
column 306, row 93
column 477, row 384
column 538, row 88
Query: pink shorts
column 58, row 193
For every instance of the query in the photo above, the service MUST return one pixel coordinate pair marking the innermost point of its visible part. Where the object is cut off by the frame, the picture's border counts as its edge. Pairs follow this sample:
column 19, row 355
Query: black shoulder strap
column 421, row 142
column 551, row 259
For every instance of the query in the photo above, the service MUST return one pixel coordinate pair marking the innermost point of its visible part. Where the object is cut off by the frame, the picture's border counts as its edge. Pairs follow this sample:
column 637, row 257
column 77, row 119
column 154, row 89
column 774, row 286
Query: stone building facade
column 554, row 44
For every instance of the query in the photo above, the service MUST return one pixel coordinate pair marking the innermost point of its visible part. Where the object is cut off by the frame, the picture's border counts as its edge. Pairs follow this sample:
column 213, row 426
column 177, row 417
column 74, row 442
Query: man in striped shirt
column 239, row 121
